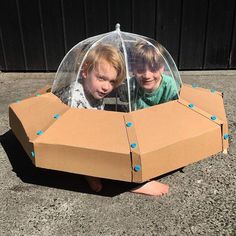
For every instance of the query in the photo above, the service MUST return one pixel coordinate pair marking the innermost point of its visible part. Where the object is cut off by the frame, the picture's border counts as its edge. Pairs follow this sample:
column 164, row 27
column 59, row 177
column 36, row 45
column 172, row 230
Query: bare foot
column 94, row 183
column 152, row 188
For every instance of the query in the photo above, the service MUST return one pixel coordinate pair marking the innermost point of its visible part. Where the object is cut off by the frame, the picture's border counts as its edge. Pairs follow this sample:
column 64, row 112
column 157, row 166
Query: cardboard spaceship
column 132, row 146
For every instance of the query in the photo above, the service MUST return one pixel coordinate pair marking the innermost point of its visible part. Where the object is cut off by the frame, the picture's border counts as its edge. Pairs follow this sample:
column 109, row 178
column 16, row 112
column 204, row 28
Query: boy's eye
column 100, row 78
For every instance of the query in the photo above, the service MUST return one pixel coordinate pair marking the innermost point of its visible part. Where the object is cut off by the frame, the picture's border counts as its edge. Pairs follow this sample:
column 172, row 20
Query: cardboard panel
column 181, row 153
column 211, row 102
column 222, row 124
column 45, row 89
column 37, row 113
column 165, row 124
column 87, row 142
column 90, row 129
column 20, row 133
column 84, row 161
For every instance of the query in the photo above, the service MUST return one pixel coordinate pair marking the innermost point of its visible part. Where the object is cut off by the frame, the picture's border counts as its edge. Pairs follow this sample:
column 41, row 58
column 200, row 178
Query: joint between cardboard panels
column 196, row 109
column 136, row 167
column 46, row 89
column 225, row 142
column 205, row 90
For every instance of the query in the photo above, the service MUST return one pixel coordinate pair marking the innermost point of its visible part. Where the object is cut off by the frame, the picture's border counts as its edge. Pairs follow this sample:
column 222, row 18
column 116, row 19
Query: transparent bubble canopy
column 144, row 61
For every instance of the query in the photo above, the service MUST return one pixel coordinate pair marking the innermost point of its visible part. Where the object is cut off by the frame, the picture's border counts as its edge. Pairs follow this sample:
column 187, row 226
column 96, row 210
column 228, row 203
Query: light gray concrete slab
column 201, row 200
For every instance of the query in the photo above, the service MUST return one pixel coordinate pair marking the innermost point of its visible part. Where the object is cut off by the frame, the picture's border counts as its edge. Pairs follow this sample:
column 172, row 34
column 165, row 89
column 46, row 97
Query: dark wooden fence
column 36, row 34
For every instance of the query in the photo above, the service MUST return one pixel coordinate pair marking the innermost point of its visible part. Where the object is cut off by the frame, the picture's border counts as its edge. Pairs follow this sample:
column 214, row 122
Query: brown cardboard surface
column 181, row 154
column 84, row 161
column 45, row 89
column 209, row 102
column 37, row 113
column 98, row 143
column 19, row 131
column 134, row 148
column 162, row 125
column 205, row 99
column 87, row 142
column 90, row 129
column 171, row 136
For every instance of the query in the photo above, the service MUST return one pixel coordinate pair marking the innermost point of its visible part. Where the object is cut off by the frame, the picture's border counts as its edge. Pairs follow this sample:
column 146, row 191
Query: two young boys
column 104, row 70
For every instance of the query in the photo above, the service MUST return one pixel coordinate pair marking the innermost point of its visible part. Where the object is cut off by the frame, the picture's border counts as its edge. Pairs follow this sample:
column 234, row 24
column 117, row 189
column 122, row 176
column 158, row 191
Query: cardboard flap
column 45, row 89
column 166, row 124
column 208, row 100
column 37, row 113
column 89, row 129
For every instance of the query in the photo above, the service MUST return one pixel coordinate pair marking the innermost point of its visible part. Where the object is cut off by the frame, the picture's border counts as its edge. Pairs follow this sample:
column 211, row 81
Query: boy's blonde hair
column 111, row 55
column 148, row 55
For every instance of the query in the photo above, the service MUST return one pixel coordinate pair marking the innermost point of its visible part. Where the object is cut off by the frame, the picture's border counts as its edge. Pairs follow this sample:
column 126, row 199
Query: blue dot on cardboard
column 56, row 116
column 191, row 105
column 129, row 124
column 137, row 168
column 226, row 136
column 39, row 132
column 213, row 117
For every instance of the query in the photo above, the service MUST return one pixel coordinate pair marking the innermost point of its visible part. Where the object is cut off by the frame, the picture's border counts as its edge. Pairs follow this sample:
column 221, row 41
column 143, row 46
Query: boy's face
column 148, row 79
column 100, row 81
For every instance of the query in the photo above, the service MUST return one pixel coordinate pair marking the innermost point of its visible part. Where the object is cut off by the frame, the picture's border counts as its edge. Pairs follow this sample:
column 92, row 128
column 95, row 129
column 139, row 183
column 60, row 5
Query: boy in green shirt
column 152, row 87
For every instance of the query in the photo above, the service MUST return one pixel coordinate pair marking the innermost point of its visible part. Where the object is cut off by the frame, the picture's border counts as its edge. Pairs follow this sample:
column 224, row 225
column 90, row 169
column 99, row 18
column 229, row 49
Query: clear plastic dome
column 147, row 67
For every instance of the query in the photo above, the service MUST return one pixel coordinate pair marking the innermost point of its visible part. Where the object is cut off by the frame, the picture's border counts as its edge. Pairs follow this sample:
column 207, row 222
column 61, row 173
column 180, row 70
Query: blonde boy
column 102, row 70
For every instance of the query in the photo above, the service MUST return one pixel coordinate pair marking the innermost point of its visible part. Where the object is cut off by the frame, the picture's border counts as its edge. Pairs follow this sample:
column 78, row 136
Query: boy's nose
column 105, row 86
column 147, row 74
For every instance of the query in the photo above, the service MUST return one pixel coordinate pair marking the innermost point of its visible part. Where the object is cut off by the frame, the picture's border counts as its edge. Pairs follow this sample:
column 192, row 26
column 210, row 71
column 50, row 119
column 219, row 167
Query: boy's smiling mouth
column 101, row 94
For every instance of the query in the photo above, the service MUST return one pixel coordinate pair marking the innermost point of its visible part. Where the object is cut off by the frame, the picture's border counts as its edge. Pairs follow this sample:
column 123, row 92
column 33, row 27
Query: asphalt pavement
column 201, row 200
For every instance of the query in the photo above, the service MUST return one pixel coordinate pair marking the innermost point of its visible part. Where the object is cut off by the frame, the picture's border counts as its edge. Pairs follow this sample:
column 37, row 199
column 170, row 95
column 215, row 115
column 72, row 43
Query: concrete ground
column 33, row 201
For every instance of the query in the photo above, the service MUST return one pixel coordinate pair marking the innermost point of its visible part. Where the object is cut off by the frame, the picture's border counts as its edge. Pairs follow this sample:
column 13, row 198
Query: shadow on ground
column 28, row 173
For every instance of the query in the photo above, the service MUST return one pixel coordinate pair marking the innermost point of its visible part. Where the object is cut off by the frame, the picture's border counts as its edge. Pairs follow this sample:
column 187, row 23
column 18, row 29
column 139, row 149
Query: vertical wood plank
column 11, row 37
column 219, row 31
column 232, row 58
column 144, row 17
column 96, row 15
column 74, row 22
column 121, row 12
column 168, row 26
column 193, row 31
column 52, row 27
column 32, row 35
column 2, row 55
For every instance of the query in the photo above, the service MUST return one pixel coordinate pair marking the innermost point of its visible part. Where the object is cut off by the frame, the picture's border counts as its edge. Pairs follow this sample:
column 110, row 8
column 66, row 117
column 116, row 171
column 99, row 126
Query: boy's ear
column 84, row 73
column 162, row 69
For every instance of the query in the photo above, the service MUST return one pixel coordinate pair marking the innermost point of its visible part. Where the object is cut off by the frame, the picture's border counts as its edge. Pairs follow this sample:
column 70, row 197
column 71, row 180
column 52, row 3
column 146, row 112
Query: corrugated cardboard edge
column 20, row 134
column 45, row 89
column 134, row 149
column 203, row 108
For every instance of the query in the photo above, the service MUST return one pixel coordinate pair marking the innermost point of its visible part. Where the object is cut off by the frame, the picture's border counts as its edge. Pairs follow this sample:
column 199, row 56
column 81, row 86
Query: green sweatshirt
column 167, row 91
